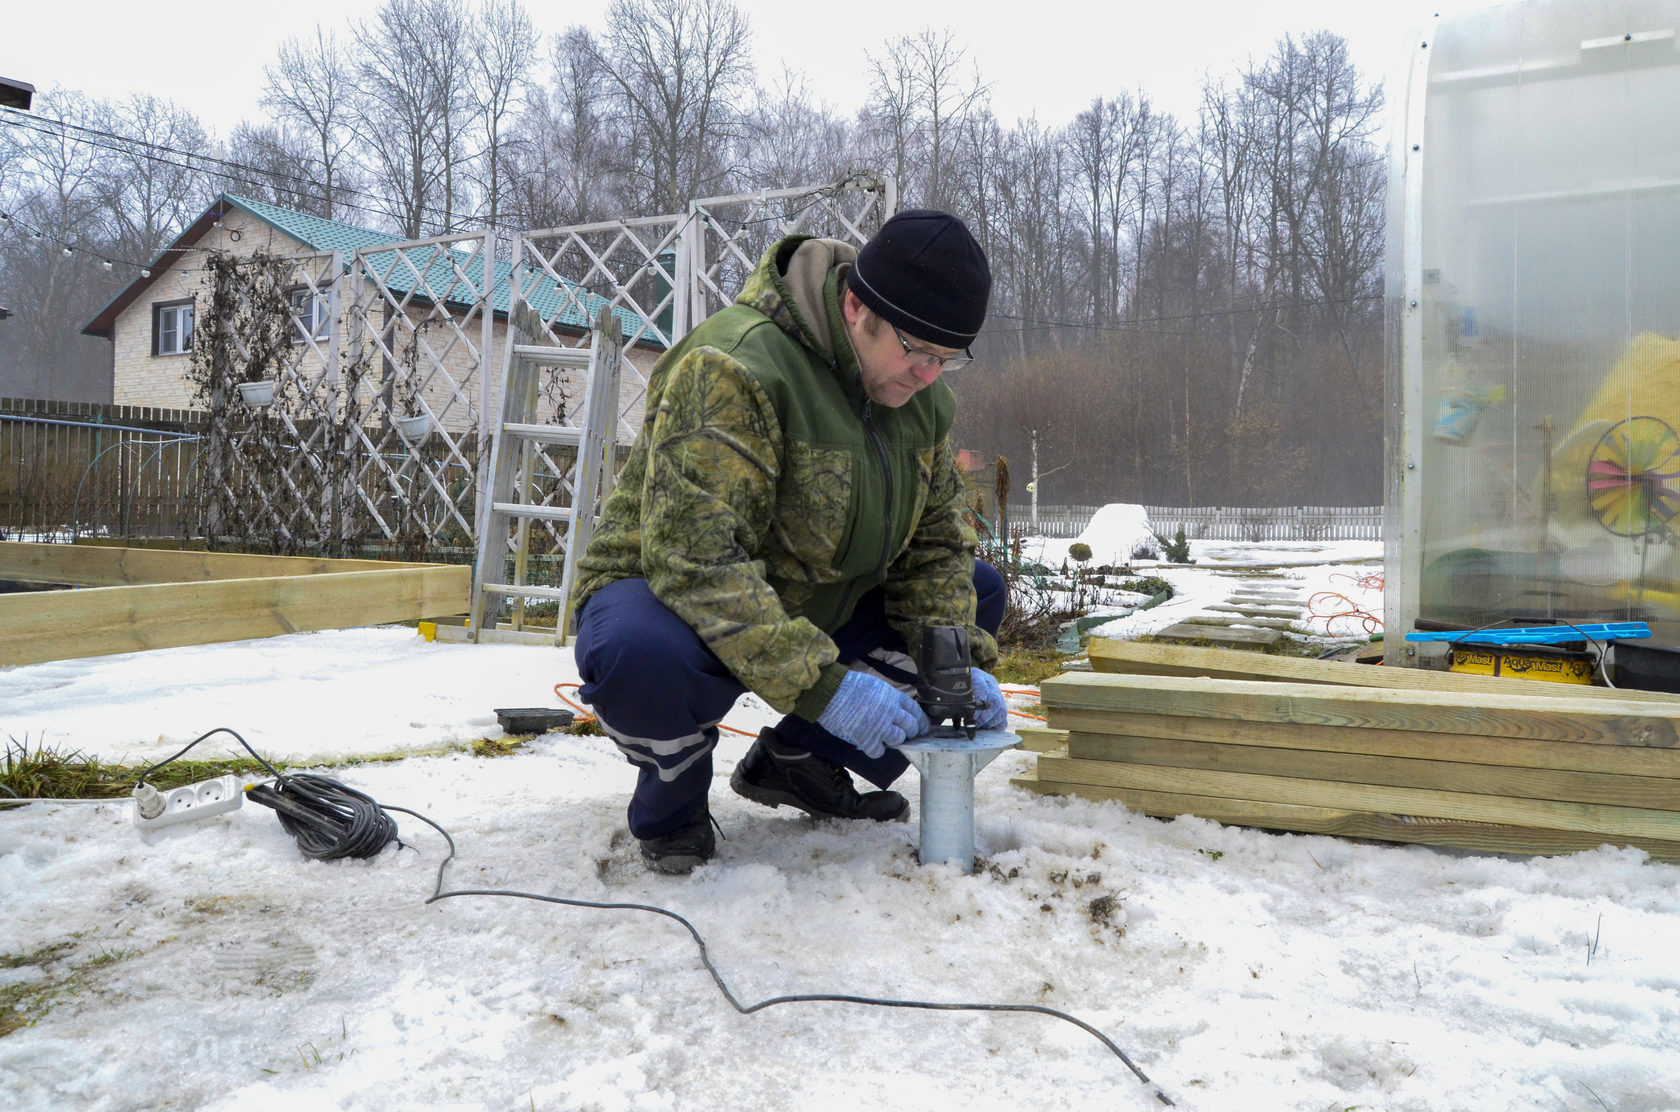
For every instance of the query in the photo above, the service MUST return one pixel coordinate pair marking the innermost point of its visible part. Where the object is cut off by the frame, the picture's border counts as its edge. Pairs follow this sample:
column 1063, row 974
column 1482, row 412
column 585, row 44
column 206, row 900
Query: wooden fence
column 74, row 468
column 1222, row 523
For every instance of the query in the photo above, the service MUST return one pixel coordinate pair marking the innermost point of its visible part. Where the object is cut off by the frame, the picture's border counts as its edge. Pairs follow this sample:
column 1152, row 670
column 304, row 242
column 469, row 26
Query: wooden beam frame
column 136, row 599
column 1147, row 658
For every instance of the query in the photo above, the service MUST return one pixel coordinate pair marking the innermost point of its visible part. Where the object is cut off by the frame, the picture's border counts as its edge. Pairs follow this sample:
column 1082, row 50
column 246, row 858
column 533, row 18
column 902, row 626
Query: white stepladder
column 514, row 456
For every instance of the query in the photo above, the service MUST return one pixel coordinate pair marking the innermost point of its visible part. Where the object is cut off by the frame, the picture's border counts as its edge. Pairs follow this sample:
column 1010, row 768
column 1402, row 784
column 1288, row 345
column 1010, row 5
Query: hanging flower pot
column 258, row 394
column 414, row 429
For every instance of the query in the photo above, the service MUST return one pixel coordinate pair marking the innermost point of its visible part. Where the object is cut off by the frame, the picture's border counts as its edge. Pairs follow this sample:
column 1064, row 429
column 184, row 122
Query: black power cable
column 810, row 997
column 330, row 820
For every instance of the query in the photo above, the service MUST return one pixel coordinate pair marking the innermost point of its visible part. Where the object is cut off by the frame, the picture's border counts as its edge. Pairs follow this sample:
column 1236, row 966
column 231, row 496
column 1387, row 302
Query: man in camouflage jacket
column 789, row 519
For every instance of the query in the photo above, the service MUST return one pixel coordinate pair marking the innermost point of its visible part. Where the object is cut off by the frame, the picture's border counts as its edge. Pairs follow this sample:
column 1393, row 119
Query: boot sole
column 675, row 864
column 771, row 797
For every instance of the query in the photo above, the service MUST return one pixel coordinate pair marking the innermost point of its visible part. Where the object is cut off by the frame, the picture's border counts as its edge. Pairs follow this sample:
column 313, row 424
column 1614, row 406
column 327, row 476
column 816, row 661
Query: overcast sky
column 1048, row 58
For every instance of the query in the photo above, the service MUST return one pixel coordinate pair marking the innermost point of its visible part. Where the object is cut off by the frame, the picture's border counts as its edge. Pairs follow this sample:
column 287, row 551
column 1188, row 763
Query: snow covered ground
column 215, row 968
column 1337, row 583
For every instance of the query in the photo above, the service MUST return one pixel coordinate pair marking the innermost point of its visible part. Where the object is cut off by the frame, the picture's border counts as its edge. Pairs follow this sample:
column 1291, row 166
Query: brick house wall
column 140, row 378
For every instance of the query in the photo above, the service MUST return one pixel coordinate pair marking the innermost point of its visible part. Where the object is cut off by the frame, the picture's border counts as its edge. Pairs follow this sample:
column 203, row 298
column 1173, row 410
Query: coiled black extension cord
column 330, row 820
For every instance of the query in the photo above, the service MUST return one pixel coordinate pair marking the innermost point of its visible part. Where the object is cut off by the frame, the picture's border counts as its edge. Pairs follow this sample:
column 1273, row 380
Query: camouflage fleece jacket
column 766, row 493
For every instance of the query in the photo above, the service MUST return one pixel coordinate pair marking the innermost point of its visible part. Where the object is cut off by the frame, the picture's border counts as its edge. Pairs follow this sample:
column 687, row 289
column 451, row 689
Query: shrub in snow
column 1178, row 549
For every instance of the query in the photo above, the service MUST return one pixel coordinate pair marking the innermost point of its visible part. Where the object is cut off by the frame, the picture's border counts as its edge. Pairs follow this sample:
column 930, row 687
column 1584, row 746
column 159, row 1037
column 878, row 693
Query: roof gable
column 571, row 307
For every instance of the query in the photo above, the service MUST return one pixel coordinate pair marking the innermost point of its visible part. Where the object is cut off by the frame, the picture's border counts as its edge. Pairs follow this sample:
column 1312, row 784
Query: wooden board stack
column 1493, row 765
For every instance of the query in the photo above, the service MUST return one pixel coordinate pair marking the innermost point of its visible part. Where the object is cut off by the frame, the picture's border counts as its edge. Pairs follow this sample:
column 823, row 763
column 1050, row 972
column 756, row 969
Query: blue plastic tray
column 1541, row 635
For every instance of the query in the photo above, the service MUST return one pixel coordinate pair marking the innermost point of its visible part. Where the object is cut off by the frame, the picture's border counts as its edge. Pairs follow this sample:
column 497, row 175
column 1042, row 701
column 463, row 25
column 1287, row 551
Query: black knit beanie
column 923, row 272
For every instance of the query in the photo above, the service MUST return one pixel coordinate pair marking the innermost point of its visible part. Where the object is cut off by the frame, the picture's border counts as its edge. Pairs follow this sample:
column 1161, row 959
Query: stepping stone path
column 1265, row 615
column 1229, row 637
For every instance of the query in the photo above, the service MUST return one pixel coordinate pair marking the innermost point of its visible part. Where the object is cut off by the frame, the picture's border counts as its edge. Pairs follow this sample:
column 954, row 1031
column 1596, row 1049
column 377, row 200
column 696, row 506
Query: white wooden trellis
column 422, row 314
column 326, row 464
column 724, row 236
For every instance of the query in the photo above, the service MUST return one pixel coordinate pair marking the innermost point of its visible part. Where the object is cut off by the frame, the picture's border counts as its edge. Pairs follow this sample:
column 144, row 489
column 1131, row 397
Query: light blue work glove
column 994, row 715
column 872, row 714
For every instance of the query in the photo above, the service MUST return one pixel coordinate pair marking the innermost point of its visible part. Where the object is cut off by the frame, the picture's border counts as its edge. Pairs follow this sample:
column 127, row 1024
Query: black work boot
column 774, row 773
column 683, row 850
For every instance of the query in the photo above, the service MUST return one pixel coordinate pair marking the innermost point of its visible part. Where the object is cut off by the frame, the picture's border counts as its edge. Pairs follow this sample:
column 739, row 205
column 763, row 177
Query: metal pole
column 948, row 761
column 336, row 434
column 1032, row 487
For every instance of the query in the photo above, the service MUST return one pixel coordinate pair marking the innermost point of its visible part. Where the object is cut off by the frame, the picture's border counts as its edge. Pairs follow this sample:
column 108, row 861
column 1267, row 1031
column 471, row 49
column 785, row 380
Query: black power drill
column 944, row 684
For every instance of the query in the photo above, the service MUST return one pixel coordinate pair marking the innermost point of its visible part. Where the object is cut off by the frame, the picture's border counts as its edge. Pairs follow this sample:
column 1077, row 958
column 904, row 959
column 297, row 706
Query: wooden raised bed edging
column 139, row 599
column 1145, row 658
column 1492, row 770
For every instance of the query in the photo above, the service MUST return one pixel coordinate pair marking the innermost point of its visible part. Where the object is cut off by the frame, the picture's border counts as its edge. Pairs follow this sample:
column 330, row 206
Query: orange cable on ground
column 587, row 717
column 1372, row 582
column 1024, row 691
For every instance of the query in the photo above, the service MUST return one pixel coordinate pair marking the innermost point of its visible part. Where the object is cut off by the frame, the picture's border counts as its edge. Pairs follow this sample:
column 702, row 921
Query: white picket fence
column 1222, row 523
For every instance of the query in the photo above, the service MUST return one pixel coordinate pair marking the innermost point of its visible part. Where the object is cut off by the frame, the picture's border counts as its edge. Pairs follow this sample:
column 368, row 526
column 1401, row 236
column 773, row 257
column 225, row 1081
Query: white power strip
column 153, row 808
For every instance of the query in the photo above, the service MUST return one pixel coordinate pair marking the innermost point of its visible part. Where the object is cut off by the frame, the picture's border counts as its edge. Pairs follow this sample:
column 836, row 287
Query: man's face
column 891, row 376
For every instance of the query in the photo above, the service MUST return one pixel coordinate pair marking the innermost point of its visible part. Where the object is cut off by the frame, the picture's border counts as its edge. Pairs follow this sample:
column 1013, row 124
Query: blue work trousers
column 660, row 693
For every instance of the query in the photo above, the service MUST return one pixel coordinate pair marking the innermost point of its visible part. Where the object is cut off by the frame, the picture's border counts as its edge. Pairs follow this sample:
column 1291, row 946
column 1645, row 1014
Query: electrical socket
column 194, row 801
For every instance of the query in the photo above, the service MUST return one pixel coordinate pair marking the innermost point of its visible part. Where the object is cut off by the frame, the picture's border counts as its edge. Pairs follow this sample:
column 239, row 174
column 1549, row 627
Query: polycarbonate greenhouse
column 1533, row 280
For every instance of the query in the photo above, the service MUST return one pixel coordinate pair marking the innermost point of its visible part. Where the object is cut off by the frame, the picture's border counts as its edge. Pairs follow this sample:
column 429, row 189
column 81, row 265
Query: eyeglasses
column 920, row 358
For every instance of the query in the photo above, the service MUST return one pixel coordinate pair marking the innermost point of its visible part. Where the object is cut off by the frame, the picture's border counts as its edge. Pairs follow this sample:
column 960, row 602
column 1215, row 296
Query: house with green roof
column 151, row 322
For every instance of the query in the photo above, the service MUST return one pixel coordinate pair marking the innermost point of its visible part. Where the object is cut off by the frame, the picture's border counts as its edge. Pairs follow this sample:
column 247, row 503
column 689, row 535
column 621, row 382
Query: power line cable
column 103, row 139
column 30, row 121
column 1041, row 324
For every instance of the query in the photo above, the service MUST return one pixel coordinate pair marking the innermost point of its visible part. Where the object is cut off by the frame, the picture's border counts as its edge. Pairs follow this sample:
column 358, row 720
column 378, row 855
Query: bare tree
column 11, row 165
column 889, row 119
column 272, row 157
column 1227, row 143
column 1108, row 141
column 309, row 88
column 153, row 193
column 503, row 48
column 51, row 274
column 411, row 110
column 446, row 33
column 1341, row 232
column 923, row 95
column 1028, row 245
column 562, row 153
column 681, row 71
column 974, row 173
column 791, row 139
